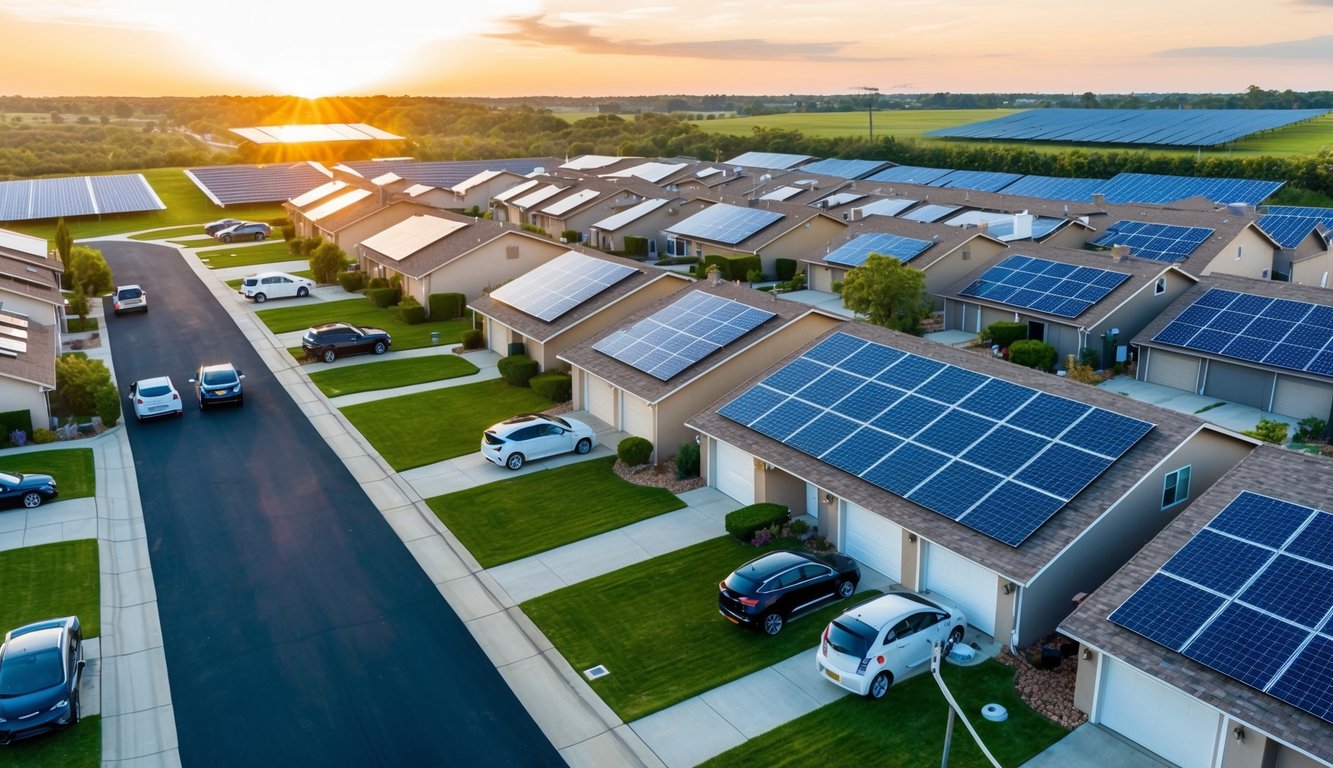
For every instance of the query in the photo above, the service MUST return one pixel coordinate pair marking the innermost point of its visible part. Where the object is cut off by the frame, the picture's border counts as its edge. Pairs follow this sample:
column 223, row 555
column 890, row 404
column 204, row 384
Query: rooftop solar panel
column 777, row 161
column 682, row 334
column 995, row 456
column 1050, row 287
column 567, row 204
column 837, row 199
column 724, row 223
column 930, row 213
column 891, row 207
column 1193, row 128
column 982, row 181
column 1290, row 231
column 537, row 196
column 239, row 184
column 1160, row 242
column 843, row 169
column 1055, row 188
column 910, row 174
column 1244, row 597
column 1160, row 190
column 445, row 173
column 782, row 193
column 561, row 284
column 653, row 172
column 629, row 215
column 854, row 252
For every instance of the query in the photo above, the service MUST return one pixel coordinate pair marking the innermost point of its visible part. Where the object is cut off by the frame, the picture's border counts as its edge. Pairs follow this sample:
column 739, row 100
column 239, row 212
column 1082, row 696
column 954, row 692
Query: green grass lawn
column 245, row 254
column 78, row 746
column 414, row 430
column 303, row 273
column 656, row 627
column 71, row 467
column 170, row 232
column 523, row 516
column 906, row 727
column 385, row 374
column 49, row 581
column 78, row 324
column 359, row 311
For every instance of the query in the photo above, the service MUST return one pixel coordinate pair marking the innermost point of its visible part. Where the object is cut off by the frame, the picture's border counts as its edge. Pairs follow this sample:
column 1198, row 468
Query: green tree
column 78, row 304
column 123, row 111
column 64, row 242
column 326, row 262
column 89, row 271
column 77, row 382
column 888, row 293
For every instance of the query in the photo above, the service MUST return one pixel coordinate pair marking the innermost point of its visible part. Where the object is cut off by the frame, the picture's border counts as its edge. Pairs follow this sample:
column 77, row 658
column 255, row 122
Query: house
column 768, row 230
column 566, row 300
column 1206, row 649
column 1004, row 489
column 1204, row 242
column 643, row 218
column 478, row 190
column 1305, row 234
column 32, row 312
column 649, row 373
column 1255, row 342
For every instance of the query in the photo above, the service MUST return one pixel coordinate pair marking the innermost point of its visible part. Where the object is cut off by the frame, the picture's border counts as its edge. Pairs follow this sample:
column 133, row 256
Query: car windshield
column 218, row 378
column 851, row 636
column 9, row 478
column 560, row 421
column 738, row 583
column 157, row 390
column 31, row 672
column 130, row 293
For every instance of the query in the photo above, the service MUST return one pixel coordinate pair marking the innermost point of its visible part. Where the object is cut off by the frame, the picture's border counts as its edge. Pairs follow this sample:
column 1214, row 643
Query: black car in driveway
column 27, row 489
column 769, row 589
column 40, row 668
column 217, row 385
column 330, row 341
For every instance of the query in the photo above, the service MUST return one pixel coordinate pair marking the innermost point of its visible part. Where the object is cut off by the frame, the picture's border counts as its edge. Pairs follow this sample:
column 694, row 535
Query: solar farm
column 1152, row 127
column 30, row 199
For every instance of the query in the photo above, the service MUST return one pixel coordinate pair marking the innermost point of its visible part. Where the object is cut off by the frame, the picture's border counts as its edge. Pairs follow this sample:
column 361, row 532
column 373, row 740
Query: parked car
column 330, row 341
column 129, row 298
column 869, row 646
column 28, row 489
column 528, row 436
column 214, row 227
column 275, row 285
column 218, row 384
column 40, row 668
column 765, row 592
column 247, row 230
column 155, row 396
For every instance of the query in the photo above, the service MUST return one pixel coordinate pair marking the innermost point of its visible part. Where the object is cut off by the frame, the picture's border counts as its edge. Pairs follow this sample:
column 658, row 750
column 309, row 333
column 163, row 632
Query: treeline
column 46, row 150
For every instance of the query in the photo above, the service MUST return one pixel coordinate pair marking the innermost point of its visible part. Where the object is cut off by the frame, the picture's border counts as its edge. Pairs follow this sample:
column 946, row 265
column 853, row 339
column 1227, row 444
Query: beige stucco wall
column 1085, row 682
column 489, row 265
column 778, row 487
column 1255, row 254
column 648, row 226
column 352, row 235
column 18, row 395
column 808, row 238
column 1136, row 313
column 1070, row 237
column 38, row 311
column 945, row 272
column 1314, row 271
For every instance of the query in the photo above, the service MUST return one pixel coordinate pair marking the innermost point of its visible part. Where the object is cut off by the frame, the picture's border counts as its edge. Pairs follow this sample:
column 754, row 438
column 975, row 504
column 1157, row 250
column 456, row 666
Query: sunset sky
column 629, row 47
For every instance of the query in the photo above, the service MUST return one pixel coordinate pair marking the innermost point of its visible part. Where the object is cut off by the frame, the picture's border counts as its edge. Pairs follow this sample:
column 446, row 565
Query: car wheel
column 330, row 355
column 226, row 238
column 846, row 588
column 772, row 623
column 32, row 499
column 260, row 235
column 583, row 446
column 379, row 348
column 879, row 686
column 515, row 461
column 302, row 292
column 260, row 298
column 955, row 637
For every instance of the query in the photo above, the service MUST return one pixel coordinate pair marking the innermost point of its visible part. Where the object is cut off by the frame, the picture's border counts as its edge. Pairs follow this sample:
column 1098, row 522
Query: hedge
column 786, row 269
column 1006, row 332
column 733, row 267
column 570, row 236
column 744, row 522
column 383, row 297
column 634, row 451
column 410, row 311
column 636, row 246
column 517, row 370
column 12, row 420
column 1032, row 354
column 446, row 306
column 474, row 339
column 553, row 385
column 352, row 281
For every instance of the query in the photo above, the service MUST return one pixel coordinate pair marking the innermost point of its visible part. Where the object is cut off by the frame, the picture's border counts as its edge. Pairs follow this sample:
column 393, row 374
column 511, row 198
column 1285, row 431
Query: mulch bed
column 1050, row 692
column 657, row 477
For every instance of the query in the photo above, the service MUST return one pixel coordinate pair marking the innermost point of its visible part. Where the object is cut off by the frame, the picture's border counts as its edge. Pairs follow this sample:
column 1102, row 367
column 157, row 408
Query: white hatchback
column 155, row 397
column 869, row 646
column 275, row 285
column 531, row 436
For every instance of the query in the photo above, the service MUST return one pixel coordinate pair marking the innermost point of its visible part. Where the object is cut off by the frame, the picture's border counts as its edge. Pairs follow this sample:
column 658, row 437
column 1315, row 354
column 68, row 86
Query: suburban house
column 647, row 374
column 478, row 190
column 1206, row 648
column 645, row 218
column 1255, row 342
column 347, row 232
column 32, row 312
column 1005, row 490
column 768, row 230
column 566, row 300
column 579, row 207
column 325, row 216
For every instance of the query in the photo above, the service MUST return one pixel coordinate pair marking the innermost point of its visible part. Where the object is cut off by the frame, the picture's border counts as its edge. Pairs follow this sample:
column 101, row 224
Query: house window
column 1160, row 288
column 1240, row 251
column 967, row 255
column 1176, row 488
column 511, row 251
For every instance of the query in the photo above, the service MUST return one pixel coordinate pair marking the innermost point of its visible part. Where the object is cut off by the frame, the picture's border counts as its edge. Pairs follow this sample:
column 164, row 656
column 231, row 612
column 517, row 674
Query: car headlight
column 59, row 705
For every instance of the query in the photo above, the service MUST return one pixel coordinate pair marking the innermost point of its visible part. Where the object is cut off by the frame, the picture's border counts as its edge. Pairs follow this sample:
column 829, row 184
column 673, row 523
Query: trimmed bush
column 755, row 276
column 687, row 461
column 377, row 282
column 517, row 370
column 786, row 269
column 636, row 246
column 77, row 380
column 326, row 262
column 352, row 281
column 474, row 339
column 733, row 267
column 1269, row 430
column 107, row 400
column 634, row 451
column 410, row 311
column 1005, row 333
column 569, row 236
column 43, row 436
column 383, row 297
column 446, row 306
column 12, row 420
column 553, row 385
column 746, row 521
column 1033, row 354
column 1310, row 429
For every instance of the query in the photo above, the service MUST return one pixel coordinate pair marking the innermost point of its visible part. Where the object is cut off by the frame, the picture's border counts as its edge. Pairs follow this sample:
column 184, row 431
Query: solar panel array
column 982, row 181
column 725, row 223
column 890, row 207
column 843, row 169
column 783, row 193
column 446, row 173
column 854, row 252
column 682, row 334
column 995, row 456
column 29, row 199
column 1160, row 127
column 838, row 199
column 910, row 174
column 1279, row 332
column 777, row 161
column 240, row 184
column 1052, row 287
column 929, row 213
column 1160, row 242
column 1251, row 596
column 1056, row 188
column 618, row 220
column 1159, row 189
column 561, row 284
column 1290, row 224
column 567, row 204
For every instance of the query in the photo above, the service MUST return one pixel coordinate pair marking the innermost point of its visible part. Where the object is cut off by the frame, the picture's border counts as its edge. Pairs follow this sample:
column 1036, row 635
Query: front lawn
column 171, row 232
column 385, row 374
column 414, row 430
column 72, row 468
column 79, row 324
column 359, row 311
column 906, row 727
column 245, row 254
column 656, row 627
column 523, row 516
column 80, row 745
column 50, row 581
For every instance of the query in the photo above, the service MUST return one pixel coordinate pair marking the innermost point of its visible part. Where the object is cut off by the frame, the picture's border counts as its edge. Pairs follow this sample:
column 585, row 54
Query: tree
column 326, row 262
column 888, row 293
column 64, row 241
column 88, row 270
column 78, row 304
column 123, row 111
column 77, row 381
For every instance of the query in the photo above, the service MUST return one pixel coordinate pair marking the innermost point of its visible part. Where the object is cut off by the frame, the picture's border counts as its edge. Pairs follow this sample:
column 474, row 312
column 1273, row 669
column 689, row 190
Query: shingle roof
column 465, row 240
column 944, row 237
column 38, row 363
column 31, row 277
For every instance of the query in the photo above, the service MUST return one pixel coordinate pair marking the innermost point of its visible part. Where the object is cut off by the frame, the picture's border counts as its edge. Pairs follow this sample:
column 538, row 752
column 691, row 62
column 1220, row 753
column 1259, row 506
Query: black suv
column 330, row 340
column 766, row 591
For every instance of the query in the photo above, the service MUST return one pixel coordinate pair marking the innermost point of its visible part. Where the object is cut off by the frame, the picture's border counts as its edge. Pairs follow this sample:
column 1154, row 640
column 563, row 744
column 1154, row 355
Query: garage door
column 1299, row 398
column 874, row 541
column 735, row 472
column 1172, row 370
column 637, row 418
column 965, row 583
column 498, row 336
column 1238, row 384
column 602, row 400
column 1161, row 718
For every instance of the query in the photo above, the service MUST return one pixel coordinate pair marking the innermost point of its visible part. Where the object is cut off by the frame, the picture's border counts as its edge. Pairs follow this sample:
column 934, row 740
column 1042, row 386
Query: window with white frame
column 1176, row 488
column 1160, row 288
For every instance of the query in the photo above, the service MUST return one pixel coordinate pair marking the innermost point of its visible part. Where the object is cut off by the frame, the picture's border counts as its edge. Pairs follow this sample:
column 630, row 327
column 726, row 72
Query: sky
column 641, row 47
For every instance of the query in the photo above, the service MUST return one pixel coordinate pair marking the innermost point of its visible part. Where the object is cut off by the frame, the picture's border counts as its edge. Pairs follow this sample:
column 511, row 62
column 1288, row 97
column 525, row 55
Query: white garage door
column 1172, row 370
column 735, row 472
column 637, row 418
column 1299, row 398
column 874, row 541
column 498, row 337
column 1161, row 718
column 602, row 400
column 962, row 581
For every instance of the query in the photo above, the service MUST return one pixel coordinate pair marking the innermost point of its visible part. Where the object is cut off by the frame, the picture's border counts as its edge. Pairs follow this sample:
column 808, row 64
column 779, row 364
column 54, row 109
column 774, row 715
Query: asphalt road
column 298, row 628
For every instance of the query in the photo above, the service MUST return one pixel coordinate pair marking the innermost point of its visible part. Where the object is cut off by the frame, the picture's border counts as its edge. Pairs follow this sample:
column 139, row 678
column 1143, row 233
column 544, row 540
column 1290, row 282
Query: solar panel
column 124, row 193
column 1050, row 287
column 929, row 213
column 905, row 423
column 982, row 181
column 776, row 161
column 910, row 174
column 853, row 253
column 1275, row 332
column 682, row 334
column 76, row 196
column 724, row 223
column 1160, row 242
column 237, row 184
column 1160, row 189
column 445, row 173
column 891, row 207
column 561, row 284
column 1163, row 127
column 843, row 169
column 563, row 206
column 838, row 199
column 1290, row 224
column 1055, row 188
column 629, row 215
column 782, row 193
column 1245, row 598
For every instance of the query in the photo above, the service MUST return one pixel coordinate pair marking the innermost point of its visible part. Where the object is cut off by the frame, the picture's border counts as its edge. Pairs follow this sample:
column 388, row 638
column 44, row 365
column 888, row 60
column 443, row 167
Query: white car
column 869, row 646
column 531, row 436
column 129, row 298
column 275, row 285
column 155, row 397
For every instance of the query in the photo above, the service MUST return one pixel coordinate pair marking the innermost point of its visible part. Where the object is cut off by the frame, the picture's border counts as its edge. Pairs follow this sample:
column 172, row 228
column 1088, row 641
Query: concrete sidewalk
column 1232, row 416
column 1092, row 746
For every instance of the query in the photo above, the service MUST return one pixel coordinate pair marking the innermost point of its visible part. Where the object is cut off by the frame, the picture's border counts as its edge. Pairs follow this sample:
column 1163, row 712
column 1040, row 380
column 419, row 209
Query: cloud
column 1315, row 4
column 1292, row 50
column 532, row 30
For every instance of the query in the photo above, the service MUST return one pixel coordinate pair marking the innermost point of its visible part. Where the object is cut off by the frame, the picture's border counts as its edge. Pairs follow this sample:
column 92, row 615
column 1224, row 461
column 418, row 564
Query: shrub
column 755, row 276
column 410, row 311
column 107, row 401
column 746, row 521
column 1032, row 354
column 636, row 246
column 1089, row 357
column 785, row 269
column 1269, row 430
column 378, row 282
column 1004, row 333
column 473, row 339
column 667, row 261
column 1310, row 429
column 77, row 379
column 383, row 297
column 288, row 232
column 18, row 438
column 634, row 451
column 88, row 270
column 43, row 436
column 11, row 421
column 517, row 370
column 569, row 236
column 446, row 306
column 799, row 527
column 553, row 385
column 303, row 246
column 1080, row 372
column 536, row 230
column 326, row 262
column 687, row 461
column 352, row 281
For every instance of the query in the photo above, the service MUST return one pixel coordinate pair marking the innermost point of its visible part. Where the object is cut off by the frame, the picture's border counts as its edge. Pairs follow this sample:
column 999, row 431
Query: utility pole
column 873, row 92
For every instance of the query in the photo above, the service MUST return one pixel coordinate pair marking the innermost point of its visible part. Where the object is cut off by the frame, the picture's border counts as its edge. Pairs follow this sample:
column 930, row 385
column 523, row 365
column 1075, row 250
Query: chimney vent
column 1119, row 252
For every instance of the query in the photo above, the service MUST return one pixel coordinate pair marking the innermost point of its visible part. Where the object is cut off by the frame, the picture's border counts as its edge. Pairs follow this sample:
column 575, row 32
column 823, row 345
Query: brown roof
column 478, row 232
column 1272, row 471
column 34, row 278
column 1021, row 563
column 945, row 238
column 38, row 363
column 793, row 216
